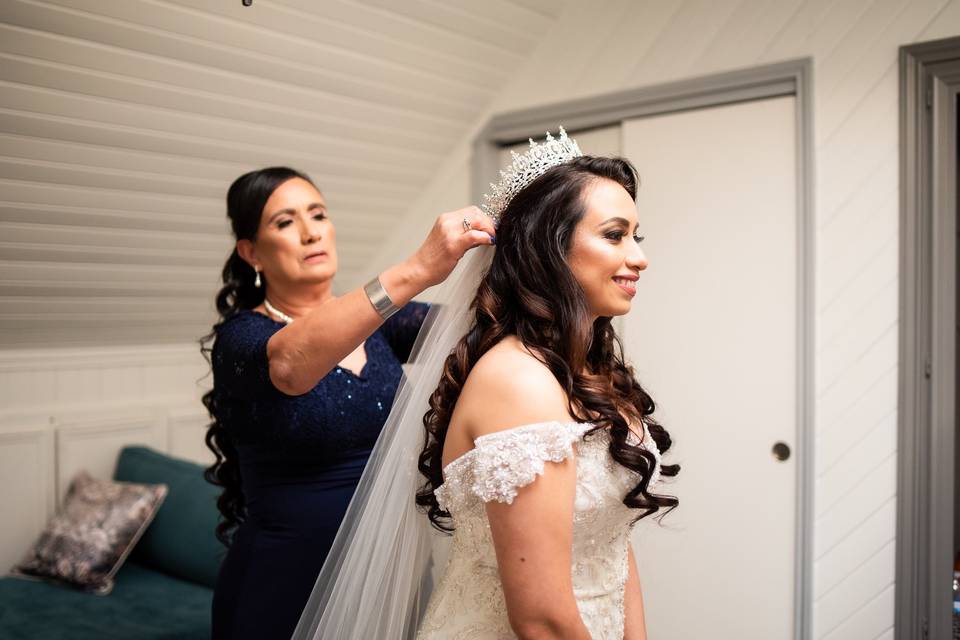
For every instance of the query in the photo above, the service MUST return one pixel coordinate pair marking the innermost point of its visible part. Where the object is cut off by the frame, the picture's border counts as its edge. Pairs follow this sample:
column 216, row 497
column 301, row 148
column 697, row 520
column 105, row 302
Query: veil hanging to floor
column 376, row 580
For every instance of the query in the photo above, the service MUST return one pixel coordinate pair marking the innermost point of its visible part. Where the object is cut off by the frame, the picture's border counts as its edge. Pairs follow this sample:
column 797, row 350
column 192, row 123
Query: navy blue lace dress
column 300, row 458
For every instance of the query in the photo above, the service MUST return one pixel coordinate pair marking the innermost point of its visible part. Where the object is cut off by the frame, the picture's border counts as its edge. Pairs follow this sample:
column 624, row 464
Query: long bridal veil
column 375, row 582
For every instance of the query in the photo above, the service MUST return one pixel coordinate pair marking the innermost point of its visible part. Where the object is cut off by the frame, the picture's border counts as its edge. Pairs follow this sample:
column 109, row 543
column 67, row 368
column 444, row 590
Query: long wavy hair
column 245, row 201
column 553, row 322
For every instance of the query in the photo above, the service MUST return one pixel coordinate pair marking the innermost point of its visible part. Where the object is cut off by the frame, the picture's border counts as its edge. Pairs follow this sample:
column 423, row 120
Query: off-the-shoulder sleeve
column 502, row 463
column 239, row 358
column 401, row 328
column 509, row 460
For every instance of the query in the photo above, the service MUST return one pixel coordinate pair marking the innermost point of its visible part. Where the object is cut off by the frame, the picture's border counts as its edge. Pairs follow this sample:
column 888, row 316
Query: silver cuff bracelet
column 379, row 298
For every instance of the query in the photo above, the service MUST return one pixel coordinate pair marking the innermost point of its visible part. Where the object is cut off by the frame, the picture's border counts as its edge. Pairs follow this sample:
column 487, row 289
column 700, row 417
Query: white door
column 713, row 338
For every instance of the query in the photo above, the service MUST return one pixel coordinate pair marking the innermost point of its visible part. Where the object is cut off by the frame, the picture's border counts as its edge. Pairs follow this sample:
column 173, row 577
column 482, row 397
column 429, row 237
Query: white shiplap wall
column 123, row 123
column 631, row 43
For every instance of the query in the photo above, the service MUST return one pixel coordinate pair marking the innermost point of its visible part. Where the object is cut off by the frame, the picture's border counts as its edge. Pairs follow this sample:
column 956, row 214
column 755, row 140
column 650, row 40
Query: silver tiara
column 526, row 168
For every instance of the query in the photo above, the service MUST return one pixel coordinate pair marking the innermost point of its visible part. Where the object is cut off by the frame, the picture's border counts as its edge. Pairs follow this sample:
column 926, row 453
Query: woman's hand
column 448, row 240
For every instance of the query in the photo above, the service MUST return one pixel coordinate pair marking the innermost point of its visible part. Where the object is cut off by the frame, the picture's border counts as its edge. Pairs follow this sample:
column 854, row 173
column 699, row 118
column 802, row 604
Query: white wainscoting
column 66, row 410
column 92, row 444
column 26, row 470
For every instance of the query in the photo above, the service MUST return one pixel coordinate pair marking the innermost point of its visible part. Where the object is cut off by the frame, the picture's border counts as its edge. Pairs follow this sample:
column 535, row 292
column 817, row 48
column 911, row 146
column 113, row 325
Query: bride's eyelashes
column 617, row 236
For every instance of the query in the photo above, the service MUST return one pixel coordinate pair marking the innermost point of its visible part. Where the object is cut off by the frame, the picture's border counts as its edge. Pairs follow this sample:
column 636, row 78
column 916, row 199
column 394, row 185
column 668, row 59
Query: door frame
column 927, row 420
column 790, row 78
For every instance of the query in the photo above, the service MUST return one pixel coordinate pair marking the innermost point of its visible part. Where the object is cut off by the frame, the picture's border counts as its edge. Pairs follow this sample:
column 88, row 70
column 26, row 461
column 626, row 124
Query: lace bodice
column 468, row 603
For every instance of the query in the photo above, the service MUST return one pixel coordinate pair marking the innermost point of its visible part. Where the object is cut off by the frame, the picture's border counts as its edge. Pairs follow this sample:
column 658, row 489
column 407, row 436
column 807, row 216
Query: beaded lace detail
column 468, row 603
column 498, row 466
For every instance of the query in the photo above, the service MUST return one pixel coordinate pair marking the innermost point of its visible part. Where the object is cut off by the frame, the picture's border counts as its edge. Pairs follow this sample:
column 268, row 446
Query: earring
column 256, row 281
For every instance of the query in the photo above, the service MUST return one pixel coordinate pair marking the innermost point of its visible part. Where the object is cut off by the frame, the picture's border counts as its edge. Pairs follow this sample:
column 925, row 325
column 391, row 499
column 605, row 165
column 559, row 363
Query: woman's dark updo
column 530, row 292
column 245, row 201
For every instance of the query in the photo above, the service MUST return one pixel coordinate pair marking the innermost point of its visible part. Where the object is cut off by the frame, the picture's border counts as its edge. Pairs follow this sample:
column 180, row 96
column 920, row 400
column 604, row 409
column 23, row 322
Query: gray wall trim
column 806, row 345
column 793, row 77
column 929, row 84
column 769, row 81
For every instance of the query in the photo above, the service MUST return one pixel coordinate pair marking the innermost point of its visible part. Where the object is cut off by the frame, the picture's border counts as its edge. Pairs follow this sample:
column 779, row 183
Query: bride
column 541, row 451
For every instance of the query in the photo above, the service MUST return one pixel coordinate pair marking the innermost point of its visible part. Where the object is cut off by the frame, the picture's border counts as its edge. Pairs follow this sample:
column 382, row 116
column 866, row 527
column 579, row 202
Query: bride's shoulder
column 507, row 387
column 510, row 368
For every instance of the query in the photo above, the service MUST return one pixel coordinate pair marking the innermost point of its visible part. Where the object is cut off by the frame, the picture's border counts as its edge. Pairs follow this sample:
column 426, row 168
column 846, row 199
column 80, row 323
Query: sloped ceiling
column 123, row 123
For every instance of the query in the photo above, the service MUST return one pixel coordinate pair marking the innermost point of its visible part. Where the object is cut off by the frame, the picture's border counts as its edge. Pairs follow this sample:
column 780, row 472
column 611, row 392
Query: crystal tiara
column 526, row 168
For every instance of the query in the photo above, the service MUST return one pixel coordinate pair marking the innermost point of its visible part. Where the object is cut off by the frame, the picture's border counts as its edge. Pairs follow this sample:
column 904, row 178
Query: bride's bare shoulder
column 508, row 387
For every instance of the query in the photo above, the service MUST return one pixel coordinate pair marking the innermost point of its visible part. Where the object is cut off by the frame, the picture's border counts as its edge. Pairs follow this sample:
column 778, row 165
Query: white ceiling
column 123, row 123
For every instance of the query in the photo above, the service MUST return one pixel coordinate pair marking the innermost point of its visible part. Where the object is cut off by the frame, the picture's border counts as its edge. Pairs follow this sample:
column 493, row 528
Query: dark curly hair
column 553, row 322
column 245, row 201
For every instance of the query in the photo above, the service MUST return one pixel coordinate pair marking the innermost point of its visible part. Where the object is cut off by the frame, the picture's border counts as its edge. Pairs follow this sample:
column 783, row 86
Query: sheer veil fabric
column 376, row 582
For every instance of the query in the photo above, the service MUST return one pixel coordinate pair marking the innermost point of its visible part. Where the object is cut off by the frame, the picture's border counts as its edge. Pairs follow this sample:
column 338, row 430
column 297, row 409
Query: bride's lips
column 626, row 283
column 316, row 256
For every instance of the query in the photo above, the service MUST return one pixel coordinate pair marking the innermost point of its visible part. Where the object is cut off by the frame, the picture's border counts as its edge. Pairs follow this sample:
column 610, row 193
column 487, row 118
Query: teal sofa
column 163, row 590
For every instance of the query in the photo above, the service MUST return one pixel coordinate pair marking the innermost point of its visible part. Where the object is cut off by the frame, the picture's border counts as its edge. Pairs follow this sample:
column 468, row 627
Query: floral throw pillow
column 85, row 544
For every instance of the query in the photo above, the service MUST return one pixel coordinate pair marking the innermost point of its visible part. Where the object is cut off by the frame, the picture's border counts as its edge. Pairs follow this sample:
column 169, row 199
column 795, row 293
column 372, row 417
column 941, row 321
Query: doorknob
column 781, row 451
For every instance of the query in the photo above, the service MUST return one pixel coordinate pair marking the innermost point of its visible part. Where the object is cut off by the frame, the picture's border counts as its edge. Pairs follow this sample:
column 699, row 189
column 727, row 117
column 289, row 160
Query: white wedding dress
column 468, row 603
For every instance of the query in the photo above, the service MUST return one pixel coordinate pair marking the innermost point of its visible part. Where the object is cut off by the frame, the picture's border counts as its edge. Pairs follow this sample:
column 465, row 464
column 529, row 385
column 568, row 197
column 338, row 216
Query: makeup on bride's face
column 605, row 255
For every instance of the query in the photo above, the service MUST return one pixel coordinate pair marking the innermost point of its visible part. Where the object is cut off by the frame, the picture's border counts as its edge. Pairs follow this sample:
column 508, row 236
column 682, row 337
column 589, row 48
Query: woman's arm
column 634, row 627
column 533, row 538
column 532, row 535
column 303, row 352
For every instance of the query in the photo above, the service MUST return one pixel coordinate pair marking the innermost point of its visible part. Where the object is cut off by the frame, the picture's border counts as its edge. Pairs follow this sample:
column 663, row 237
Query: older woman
column 303, row 382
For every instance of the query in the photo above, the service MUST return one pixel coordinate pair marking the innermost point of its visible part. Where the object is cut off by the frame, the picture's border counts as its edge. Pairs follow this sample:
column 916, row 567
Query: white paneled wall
column 62, row 411
column 27, row 469
column 604, row 47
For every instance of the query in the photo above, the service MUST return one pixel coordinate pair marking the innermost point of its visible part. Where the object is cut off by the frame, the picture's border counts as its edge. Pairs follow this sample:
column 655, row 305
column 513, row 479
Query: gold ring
column 466, row 224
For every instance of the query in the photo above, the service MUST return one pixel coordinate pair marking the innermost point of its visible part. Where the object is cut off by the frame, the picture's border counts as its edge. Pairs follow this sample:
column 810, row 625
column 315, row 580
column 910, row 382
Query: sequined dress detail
column 468, row 603
column 300, row 459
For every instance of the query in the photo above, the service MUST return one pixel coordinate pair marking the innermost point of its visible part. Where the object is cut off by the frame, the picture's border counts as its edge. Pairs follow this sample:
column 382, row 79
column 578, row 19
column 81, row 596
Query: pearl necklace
column 276, row 312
